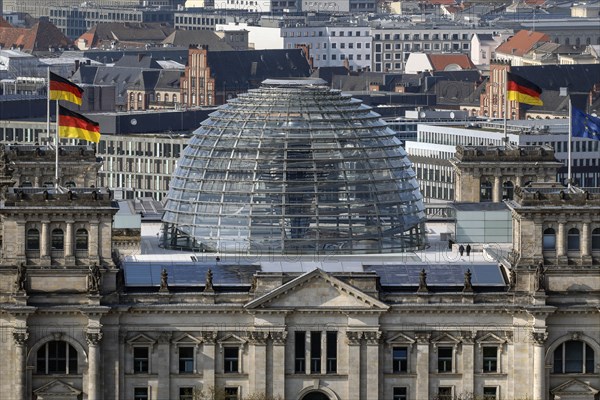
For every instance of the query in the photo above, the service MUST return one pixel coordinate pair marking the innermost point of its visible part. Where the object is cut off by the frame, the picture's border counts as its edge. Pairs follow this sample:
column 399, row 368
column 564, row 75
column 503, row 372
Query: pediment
column 490, row 338
column 400, row 338
column 317, row 289
column 57, row 390
column 574, row 387
column 445, row 338
column 232, row 339
column 141, row 340
column 186, row 338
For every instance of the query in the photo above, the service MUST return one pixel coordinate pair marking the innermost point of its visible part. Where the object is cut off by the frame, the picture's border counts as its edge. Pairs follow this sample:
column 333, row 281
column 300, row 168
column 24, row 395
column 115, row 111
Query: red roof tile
column 41, row 36
column 522, row 42
column 441, row 61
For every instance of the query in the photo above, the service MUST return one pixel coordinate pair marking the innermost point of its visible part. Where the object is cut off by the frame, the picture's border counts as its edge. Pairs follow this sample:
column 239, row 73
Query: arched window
column 596, row 239
column 485, row 191
column 139, row 97
column 573, row 356
column 57, row 357
column 174, row 98
column 81, row 239
column 549, row 239
column 166, row 97
column 33, row 239
column 508, row 190
column 158, row 97
column 573, row 239
column 58, row 239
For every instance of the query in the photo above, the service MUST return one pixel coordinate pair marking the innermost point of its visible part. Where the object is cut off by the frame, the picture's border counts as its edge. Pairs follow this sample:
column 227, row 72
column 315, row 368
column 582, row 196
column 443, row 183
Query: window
column 489, row 392
column 231, row 360
column 400, row 359
column 315, row 352
column 508, row 190
column 158, row 97
column 445, row 393
column 490, row 359
column 445, row 359
column 186, row 393
column 186, row 360
column 400, row 393
column 300, row 352
column 231, row 393
column 57, row 357
column 140, row 393
column 549, row 239
column 485, row 191
column 33, row 239
column 573, row 356
column 596, row 239
column 81, row 239
column 573, row 239
column 331, row 352
column 58, row 239
column 141, row 360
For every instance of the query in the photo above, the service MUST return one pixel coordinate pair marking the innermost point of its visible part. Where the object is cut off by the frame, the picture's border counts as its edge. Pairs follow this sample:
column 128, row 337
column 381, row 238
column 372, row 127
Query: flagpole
column 504, row 128
column 48, row 106
column 56, row 149
column 569, row 145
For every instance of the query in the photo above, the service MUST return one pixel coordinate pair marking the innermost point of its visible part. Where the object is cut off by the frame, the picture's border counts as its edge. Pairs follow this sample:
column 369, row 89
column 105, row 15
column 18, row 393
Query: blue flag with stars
column 585, row 125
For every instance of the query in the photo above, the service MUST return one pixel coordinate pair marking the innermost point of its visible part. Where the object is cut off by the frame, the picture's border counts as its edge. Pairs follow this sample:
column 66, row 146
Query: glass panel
column 186, row 360
column 33, row 239
column 230, row 359
column 573, row 239
column 58, row 239
column 490, row 359
column 445, row 359
column 300, row 352
column 298, row 168
column 573, row 356
column 400, row 359
column 549, row 239
column 81, row 239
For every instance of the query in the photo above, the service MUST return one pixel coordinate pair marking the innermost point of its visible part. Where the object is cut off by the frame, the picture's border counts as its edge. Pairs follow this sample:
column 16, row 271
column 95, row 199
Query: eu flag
column 585, row 125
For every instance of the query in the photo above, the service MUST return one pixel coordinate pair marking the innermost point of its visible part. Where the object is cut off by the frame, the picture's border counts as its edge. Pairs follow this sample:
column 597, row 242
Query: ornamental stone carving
column 93, row 338
column 422, row 337
column 20, row 337
column 279, row 337
column 539, row 338
column 258, row 337
column 372, row 338
column 209, row 337
column 353, row 337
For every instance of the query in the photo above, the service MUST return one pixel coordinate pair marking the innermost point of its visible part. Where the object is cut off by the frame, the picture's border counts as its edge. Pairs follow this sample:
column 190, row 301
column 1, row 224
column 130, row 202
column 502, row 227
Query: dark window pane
column 186, row 360
column 300, row 352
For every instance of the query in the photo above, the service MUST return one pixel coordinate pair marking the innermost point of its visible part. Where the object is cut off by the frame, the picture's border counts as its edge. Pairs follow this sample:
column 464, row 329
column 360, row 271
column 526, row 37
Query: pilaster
column 422, row 389
column 278, row 354
column 93, row 338
column 353, row 339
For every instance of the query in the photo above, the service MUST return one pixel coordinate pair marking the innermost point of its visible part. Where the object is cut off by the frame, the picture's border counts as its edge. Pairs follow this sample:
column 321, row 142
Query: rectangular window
column 186, row 360
column 331, row 352
column 400, row 359
column 300, row 352
column 231, row 393
column 186, row 393
column 141, row 358
column 444, row 393
column 231, row 360
column 315, row 352
column 140, row 393
column 489, row 393
column 445, row 359
column 490, row 359
column 400, row 393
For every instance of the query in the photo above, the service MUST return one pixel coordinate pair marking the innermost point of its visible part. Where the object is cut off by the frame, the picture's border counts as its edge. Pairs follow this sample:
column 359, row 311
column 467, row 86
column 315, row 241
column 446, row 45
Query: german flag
column 76, row 126
column 523, row 91
column 63, row 89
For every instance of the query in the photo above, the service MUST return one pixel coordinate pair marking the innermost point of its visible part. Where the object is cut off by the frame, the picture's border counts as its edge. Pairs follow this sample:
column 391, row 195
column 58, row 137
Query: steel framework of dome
column 294, row 167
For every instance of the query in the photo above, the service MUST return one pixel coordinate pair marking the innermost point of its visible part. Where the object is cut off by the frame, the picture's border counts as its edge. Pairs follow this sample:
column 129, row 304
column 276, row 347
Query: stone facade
column 75, row 330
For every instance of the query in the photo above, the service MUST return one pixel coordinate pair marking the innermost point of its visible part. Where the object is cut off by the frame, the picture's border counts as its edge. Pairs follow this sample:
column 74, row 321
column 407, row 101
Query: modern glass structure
column 294, row 168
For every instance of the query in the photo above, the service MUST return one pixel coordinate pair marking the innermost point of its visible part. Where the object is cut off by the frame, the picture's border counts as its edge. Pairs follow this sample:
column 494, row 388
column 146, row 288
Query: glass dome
column 294, row 167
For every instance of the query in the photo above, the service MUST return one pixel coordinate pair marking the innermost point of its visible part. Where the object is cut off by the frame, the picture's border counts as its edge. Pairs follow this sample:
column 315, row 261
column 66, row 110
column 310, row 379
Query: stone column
column 258, row 355
column 20, row 251
column 497, row 191
column 323, row 352
column 278, row 381
column 519, row 181
column 164, row 366
column 538, row 237
column 372, row 364
column 94, row 244
column 353, row 339
column 422, row 389
column 586, row 255
column 468, row 362
column 69, row 243
column 561, row 242
column 539, row 372
column 209, row 362
column 20, row 337
column 45, row 241
column 307, row 353
column 93, row 338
